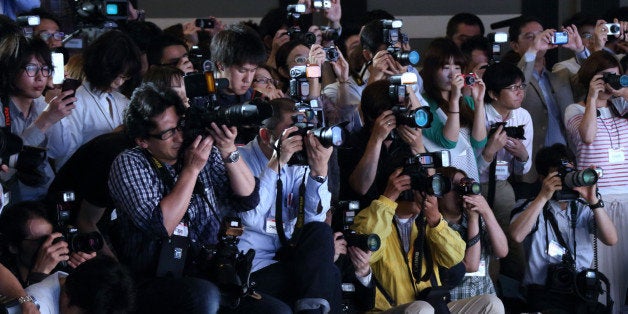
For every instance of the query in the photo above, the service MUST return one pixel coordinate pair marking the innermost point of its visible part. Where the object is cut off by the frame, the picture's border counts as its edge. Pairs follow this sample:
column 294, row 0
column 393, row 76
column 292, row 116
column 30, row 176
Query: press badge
column 181, row 230
column 555, row 250
column 271, row 226
column 481, row 272
column 615, row 155
column 501, row 169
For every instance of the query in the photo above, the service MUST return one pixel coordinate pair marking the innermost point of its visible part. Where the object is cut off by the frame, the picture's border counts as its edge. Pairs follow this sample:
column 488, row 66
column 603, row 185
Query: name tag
column 615, row 155
column 181, row 230
column 501, row 169
column 271, row 226
column 555, row 250
column 481, row 270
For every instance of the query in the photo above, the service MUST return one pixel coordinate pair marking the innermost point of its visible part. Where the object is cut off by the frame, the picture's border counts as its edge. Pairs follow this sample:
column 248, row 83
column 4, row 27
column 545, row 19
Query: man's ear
column 141, row 142
column 367, row 54
column 514, row 46
column 492, row 95
column 265, row 135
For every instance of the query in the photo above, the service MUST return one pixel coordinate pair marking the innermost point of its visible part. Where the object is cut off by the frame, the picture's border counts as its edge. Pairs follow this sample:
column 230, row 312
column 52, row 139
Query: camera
column 331, row 54
column 95, row 12
column 616, row 81
column 570, row 178
column 560, row 277
column 201, row 59
column 344, row 214
column 321, row 4
column 397, row 87
column 560, row 38
column 299, row 88
column 329, row 34
column 469, row 79
column 225, row 265
column 393, row 36
column 201, row 87
column 421, row 181
column 613, row 28
column 328, row 136
column 468, row 186
column 295, row 33
column 10, row 147
column 517, row 132
column 415, row 118
column 496, row 39
column 27, row 160
column 77, row 241
column 205, row 23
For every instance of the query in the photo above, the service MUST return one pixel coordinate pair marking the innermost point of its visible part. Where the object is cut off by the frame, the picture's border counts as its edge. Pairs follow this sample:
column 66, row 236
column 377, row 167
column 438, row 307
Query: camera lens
column 407, row 57
column 328, row 136
column 437, row 185
column 469, row 80
column 422, row 117
column 586, row 177
column 366, row 242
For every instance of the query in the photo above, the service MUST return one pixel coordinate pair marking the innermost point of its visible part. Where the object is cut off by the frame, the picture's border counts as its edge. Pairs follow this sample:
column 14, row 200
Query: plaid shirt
column 137, row 188
column 474, row 285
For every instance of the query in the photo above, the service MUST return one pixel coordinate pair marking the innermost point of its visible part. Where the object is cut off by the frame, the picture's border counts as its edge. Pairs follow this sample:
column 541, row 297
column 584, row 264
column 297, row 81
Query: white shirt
column 92, row 116
column 46, row 293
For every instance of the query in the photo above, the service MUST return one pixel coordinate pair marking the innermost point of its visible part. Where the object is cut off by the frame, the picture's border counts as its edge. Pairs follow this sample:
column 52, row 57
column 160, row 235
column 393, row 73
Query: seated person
column 416, row 241
column 468, row 213
column 545, row 225
column 301, row 269
column 32, row 251
column 100, row 285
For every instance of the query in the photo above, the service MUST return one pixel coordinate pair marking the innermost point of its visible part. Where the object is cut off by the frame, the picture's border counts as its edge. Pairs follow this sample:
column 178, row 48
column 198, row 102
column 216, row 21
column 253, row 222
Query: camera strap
column 492, row 168
column 6, row 111
column 568, row 257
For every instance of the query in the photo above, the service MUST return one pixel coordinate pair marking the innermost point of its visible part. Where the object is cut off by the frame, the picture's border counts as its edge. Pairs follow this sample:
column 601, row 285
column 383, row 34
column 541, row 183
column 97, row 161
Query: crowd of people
column 284, row 167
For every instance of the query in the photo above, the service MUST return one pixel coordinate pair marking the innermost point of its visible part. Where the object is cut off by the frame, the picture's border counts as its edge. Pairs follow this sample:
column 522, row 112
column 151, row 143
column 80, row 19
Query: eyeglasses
column 123, row 77
column 56, row 35
column 586, row 36
column 265, row 80
column 32, row 69
column 300, row 60
column 175, row 61
column 164, row 135
column 514, row 88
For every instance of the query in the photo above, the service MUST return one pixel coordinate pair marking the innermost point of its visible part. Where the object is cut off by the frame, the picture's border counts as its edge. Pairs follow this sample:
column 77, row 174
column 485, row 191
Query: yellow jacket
column 446, row 247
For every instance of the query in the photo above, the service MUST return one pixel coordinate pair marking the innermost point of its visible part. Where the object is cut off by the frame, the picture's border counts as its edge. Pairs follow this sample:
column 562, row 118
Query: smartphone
column 560, row 38
column 613, row 28
column 204, row 23
column 57, row 65
column 70, row 84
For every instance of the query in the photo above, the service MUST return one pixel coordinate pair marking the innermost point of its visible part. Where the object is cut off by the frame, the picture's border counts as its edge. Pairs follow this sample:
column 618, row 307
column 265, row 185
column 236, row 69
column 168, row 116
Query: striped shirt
column 612, row 134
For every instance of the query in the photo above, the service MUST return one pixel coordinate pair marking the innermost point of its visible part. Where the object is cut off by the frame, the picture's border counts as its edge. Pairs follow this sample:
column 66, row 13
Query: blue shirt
column 137, row 189
column 259, row 221
column 535, row 245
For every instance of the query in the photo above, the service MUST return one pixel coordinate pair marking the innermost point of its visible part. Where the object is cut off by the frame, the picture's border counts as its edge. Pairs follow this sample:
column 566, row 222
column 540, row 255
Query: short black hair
column 30, row 47
column 279, row 106
column 499, row 75
column 15, row 217
column 515, row 27
column 581, row 19
column 155, row 50
column 372, row 36
column 161, row 76
column 376, row 15
column 147, row 102
column 110, row 55
column 463, row 18
column 43, row 14
column 374, row 101
column 238, row 45
column 273, row 21
column 101, row 285
column 142, row 33
column 552, row 157
column 476, row 43
column 281, row 57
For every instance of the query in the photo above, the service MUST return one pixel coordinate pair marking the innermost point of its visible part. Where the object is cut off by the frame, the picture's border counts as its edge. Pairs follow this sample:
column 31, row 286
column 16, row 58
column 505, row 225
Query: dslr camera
column 328, row 136
column 344, row 213
column 294, row 15
column 393, row 36
column 517, row 132
column 27, row 160
column 570, row 178
column 616, row 81
column 225, row 265
column 201, row 59
column 77, row 241
column 416, row 167
column 331, row 54
column 416, row 118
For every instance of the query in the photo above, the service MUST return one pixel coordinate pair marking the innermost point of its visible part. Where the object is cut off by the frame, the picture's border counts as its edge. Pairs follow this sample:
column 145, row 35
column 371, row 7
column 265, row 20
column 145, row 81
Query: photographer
column 415, row 241
column 167, row 50
column 294, row 261
column 562, row 241
column 33, row 251
column 160, row 210
column 373, row 152
column 26, row 68
column 10, row 288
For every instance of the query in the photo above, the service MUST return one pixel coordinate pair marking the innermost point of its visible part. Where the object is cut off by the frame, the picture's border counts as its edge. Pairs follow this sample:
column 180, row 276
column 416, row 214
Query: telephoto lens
column 468, row 186
column 365, row 242
column 586, row 177
column 415, row 118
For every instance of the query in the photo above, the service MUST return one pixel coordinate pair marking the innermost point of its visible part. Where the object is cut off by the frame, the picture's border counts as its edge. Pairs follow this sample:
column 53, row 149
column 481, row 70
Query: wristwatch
column 233, row 157
column 319, row 179
column 599, row 204
column 26, row 298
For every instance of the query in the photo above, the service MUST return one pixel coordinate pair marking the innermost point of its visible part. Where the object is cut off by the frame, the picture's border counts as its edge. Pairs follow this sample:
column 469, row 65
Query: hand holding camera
column 384, row 65
column 317, row 155
column 290, row 144
column 317, row 55
column 360, row 260
column 397, row 183
column 198, row 152
column 543, row 41
column 385, row 123
column 51, row 252
column 574, row 41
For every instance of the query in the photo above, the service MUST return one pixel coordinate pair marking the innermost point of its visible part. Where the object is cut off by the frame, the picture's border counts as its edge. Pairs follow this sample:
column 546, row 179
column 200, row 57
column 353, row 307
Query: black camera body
column 517, row 132
column 344, row 214
column 77, row 241
column 393, row 36
column 205, row 23
column 415, row 118
column 328, row 136
column 561, row 278
column 616, row 81
column 308, row 38
column 468, row 186
column 201, row 59
column 570, row 178
column 421, row 181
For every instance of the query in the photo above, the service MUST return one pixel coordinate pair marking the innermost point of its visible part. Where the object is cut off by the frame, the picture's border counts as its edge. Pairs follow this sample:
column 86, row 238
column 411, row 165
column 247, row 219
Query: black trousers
column 305, row 270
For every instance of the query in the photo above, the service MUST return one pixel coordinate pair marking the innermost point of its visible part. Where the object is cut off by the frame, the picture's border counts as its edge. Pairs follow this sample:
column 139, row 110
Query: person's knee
column 492, row 304
column 419, row 307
